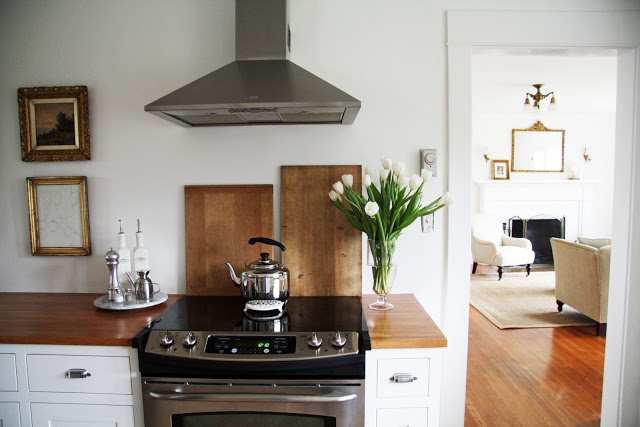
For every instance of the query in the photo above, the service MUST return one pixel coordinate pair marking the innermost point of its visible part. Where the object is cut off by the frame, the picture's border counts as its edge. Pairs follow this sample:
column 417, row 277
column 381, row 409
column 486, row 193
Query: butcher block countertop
column 407, row 325
column 72, row 319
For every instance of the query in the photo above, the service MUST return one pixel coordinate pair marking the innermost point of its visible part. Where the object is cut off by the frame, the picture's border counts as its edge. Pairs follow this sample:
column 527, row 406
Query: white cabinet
column 402, row 417
column 403, row 377
column 69, row 386
column 402, row 387
column 9, row 414
column 61, row 415
column 8, row 376
column 79, row 374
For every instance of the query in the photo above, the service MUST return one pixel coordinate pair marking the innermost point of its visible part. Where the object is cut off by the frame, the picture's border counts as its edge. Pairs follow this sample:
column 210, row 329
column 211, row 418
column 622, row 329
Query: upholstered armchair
column 582, row 277
column 489, row 245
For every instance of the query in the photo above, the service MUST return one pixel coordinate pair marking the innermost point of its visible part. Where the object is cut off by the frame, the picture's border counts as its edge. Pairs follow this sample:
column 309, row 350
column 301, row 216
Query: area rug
column 518, row 301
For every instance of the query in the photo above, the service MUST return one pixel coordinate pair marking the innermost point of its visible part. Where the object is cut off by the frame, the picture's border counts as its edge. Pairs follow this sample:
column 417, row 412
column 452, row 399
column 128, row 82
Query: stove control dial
column 314, row 340
column 338, row 340
column 166, row 339
column 189, row 340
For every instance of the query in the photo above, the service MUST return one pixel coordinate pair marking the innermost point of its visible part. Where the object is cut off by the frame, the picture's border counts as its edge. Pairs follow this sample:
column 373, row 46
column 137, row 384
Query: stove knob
column 166, row 340
column 314, row 340
column 338, row 340
column 189, row 340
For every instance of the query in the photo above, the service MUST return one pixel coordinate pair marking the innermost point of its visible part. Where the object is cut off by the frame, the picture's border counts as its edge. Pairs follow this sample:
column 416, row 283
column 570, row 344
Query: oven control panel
column 241, row 346
column 250, row 345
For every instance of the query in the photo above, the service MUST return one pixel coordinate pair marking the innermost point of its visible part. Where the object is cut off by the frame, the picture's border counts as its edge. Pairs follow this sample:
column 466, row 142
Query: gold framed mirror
column 537, row 149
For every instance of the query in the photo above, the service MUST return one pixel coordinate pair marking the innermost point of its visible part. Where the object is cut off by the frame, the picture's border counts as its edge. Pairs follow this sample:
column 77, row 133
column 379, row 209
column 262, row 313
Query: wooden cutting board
column 323, row 251
column 219, row 221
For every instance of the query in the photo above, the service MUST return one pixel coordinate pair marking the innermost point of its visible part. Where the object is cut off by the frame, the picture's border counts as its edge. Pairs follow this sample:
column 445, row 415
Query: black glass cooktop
column 302, row 314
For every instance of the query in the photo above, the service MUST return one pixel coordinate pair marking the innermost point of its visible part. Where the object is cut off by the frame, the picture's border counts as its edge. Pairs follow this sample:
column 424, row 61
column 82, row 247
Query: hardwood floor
column 533, row 377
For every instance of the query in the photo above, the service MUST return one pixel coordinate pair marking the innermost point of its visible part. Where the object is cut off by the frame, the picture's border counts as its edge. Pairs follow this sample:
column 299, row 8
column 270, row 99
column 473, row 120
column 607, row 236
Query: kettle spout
column 234, row 278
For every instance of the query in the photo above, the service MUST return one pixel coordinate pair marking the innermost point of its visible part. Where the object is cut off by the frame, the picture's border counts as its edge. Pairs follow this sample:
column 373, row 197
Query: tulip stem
column 382, row 267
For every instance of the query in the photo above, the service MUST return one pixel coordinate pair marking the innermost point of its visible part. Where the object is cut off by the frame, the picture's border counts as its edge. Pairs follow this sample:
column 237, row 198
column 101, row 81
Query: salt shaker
column 114, row 285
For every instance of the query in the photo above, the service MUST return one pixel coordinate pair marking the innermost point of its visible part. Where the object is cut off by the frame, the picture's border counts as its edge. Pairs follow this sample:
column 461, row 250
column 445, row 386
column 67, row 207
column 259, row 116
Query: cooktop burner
column 205, row 336
column 224, row 314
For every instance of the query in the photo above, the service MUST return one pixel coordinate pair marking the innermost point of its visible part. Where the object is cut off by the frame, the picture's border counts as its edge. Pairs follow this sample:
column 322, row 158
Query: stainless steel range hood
column 261, row 86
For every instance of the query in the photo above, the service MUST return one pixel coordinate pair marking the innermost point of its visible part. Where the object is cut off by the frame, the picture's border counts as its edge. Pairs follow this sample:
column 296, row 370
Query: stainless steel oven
column 203, row 363
column 180, row 402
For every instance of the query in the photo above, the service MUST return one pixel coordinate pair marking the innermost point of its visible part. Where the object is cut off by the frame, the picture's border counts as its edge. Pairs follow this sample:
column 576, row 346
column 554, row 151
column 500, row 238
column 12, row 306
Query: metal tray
column 104, row 303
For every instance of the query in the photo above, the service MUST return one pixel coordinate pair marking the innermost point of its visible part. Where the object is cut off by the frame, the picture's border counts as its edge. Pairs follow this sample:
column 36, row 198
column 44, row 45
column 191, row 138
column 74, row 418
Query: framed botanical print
column 59, row 215
column 500, row 169
column 54, row 123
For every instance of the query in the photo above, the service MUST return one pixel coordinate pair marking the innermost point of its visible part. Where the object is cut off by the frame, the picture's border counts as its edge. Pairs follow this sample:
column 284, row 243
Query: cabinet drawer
column 72, row 415
column 109, row 375
column 416, row 369
column 405, row 417
column 8, row 377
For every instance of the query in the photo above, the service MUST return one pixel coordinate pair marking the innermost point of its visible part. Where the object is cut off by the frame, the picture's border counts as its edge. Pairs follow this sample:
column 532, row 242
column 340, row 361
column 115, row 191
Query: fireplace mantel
column 530, row 198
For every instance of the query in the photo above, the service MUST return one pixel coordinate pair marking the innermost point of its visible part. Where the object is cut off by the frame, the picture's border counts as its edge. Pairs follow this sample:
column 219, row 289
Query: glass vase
column 382, row 271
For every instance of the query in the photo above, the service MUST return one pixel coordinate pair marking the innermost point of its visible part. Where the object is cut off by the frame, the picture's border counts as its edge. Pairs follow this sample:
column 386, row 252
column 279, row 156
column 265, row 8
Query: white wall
column 129, row 54
column 390, row 55
column 585, row 88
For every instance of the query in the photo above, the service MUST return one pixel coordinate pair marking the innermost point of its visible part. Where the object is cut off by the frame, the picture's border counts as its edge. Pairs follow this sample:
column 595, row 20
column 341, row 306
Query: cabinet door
column 9, row 414
column 73, row 415
column 8, row 377
column 405, row 417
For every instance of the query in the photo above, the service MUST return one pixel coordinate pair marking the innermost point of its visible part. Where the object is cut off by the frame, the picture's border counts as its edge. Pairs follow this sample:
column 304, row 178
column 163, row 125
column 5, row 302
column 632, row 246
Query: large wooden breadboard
column 324, row 252
column 219, row 221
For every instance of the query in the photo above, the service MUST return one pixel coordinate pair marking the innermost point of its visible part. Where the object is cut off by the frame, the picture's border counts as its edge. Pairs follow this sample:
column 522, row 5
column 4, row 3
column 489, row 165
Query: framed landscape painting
column 59, row 215
column 54, row 123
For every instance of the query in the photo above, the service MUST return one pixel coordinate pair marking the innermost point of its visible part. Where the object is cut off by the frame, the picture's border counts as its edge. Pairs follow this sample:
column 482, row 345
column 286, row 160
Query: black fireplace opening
column 539, row 230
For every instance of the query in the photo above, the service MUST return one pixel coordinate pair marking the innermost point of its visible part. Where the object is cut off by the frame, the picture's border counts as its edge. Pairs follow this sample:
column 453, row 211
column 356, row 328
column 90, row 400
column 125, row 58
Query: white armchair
column 489, row 245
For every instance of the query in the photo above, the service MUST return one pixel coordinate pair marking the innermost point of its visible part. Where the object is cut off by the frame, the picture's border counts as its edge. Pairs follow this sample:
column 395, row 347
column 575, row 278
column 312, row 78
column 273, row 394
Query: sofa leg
column 499, row 273
column 601, row 329
column 475, row 266
column 528, row 269
column 560, row 304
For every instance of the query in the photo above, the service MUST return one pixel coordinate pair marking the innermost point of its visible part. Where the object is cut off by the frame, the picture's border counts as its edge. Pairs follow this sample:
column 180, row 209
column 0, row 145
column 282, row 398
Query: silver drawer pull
column 78, row 373
column 403, row 378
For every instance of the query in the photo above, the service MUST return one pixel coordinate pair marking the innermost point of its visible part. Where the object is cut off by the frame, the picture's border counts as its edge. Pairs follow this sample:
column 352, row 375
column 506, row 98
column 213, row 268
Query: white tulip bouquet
column 384, row 211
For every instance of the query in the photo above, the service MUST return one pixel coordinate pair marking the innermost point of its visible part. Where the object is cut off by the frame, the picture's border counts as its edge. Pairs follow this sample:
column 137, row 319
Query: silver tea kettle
column 264, row 279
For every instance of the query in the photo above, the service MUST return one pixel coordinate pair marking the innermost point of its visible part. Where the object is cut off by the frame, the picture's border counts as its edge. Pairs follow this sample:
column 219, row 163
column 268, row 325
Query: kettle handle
column 266, row 240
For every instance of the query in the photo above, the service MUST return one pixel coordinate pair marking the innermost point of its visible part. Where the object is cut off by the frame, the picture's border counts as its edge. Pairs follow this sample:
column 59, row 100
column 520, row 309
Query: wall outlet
column 427, row 222
column 429, row 160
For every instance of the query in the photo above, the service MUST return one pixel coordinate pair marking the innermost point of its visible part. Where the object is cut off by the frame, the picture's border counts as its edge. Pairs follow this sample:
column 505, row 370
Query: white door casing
column 563, row 30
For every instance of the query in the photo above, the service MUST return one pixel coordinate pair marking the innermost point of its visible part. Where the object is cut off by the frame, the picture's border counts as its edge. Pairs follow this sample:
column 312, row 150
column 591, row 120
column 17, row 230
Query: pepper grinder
column 114, row 291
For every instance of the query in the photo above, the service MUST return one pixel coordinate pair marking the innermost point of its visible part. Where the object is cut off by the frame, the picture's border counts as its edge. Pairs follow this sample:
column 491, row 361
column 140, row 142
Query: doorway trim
column 570, row 30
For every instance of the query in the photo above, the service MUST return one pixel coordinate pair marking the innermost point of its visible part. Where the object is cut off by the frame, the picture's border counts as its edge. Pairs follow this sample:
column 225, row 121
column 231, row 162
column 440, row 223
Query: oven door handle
column 333, row 396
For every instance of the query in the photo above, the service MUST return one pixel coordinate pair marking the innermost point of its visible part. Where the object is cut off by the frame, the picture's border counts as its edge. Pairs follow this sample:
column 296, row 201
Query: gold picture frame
column 59, row 215
column 54, row 123
column 500, row 169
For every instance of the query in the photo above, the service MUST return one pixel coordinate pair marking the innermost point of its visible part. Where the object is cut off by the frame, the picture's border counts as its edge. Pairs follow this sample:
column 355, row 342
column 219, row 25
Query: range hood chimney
column 261, row 86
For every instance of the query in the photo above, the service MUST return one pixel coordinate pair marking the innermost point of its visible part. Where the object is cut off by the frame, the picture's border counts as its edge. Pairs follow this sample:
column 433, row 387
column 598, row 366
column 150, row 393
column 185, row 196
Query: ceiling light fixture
column 537, row 97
